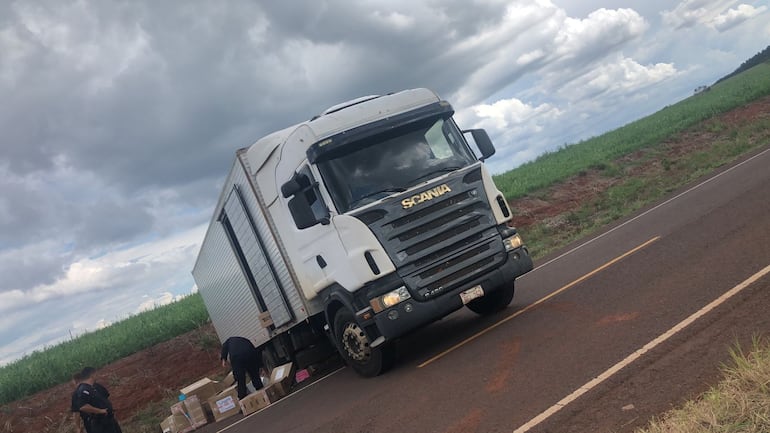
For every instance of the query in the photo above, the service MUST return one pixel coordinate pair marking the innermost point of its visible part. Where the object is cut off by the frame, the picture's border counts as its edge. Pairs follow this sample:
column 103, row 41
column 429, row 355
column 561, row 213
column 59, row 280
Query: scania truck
column 357, row 227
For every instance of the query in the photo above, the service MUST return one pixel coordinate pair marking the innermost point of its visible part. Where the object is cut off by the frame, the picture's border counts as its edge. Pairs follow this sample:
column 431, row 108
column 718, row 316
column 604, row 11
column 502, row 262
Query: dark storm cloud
column 113, row 106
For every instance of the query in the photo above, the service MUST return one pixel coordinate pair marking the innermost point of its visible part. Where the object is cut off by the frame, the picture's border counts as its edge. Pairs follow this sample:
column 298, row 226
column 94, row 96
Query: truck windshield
column 380, row 165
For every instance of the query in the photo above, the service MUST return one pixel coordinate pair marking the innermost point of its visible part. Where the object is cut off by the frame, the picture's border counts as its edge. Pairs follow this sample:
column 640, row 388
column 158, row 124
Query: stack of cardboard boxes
column 278, row 387
column 191, row 412
column 210, row 401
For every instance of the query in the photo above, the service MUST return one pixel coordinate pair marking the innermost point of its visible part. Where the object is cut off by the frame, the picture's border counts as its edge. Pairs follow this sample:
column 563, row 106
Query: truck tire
column 353, row 345
column 492, row 302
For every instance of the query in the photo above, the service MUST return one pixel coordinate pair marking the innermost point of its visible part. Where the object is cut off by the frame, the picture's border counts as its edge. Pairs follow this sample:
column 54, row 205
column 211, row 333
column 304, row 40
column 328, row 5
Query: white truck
column 355, row 228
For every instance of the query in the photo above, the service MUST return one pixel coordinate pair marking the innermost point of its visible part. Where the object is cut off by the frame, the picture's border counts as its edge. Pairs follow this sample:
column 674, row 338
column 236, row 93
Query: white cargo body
column 240, row 261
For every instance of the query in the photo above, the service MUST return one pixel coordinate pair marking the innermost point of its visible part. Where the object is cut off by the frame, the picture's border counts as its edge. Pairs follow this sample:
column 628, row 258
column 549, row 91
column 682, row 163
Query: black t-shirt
column 95, row 395
column 77, row 402
column 76, row 408
column 237, row 346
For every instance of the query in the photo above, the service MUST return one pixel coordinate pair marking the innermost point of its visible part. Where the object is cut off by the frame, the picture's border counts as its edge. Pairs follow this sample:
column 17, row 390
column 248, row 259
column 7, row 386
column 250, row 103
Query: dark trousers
column 104, row 424
column 246, row 363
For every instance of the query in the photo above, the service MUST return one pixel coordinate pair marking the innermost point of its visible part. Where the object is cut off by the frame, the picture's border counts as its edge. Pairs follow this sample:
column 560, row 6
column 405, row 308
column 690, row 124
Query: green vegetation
column 150, row 416
column 632, row 188
column 739, row 404
column 649, row 131
column 44, row 369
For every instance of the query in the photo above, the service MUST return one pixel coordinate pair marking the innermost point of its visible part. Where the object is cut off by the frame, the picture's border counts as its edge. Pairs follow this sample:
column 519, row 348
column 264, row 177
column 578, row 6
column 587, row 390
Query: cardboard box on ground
column 225, row 404
column 193, row 411
column 204, row 388
column 173, row 424
column 281, row 377
column 278, row 387
column 207, row 400
column 186, row 416
column 254, row 402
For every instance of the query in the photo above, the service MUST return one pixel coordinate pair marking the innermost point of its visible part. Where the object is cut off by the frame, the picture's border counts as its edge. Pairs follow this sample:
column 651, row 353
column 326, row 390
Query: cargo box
column 225, row 404
column 273, row 392
column 254, row 402
column 176, row 423
column 204, row 389
column 282, row 377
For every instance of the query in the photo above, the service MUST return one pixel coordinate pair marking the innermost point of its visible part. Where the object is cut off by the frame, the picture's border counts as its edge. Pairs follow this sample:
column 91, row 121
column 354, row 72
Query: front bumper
column 409, row 315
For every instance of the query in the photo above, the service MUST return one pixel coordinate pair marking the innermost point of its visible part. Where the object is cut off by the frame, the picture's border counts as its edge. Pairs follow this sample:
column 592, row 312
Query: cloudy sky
column 119, row 119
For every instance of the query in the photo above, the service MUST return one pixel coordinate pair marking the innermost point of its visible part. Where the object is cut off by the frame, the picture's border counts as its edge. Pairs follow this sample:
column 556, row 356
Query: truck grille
column 442, row 243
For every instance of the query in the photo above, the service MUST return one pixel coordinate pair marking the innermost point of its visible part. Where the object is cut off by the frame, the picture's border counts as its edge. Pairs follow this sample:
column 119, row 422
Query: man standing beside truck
column 244, row 358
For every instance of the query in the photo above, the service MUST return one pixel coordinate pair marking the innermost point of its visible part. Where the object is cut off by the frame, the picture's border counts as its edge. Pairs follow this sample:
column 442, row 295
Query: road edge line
column 639, row 352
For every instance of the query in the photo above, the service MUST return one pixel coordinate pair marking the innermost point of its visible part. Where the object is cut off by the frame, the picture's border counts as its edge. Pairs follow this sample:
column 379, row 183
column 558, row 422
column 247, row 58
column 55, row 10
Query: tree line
column 761, row 57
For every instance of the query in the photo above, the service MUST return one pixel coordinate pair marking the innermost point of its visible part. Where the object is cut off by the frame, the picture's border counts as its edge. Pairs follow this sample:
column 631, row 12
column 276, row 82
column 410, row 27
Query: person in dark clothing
column 244, row 358
column 82, row 419
column 93, row 400
column 79, row 419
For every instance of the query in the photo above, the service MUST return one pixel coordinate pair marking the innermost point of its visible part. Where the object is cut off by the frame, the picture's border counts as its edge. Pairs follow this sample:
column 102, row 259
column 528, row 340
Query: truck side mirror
column 291, row 187
column 483, row 142
column 302, row 212
column 306, row 207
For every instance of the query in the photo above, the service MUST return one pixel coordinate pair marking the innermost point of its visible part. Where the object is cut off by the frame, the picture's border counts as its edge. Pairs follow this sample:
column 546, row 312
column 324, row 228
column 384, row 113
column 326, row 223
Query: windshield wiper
column 379, row 191
column 434, row 172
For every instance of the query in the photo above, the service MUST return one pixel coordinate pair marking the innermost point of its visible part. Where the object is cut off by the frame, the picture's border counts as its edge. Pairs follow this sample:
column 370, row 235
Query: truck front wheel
column 355, row 347
column 492, row 302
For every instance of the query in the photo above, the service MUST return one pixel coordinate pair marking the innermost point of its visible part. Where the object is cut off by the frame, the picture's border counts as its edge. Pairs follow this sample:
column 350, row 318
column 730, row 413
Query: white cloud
column 690, row 13
column 539, row 36
column 617, row 75
column 150, row 303
column 393, row 19
column 151, row 262
column 103, row 323
column 601, row 31
column 734, row 17
column 512, row 115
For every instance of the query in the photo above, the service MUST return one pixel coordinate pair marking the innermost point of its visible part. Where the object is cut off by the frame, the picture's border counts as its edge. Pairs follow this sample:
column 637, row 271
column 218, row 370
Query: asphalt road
column 597, row 322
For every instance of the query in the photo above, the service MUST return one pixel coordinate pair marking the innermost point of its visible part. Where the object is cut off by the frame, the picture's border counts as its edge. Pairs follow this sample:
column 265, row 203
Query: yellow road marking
column 540, row 301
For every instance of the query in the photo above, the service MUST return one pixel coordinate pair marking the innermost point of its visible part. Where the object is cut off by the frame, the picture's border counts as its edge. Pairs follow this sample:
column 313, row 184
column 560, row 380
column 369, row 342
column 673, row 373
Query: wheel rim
column 356, row 343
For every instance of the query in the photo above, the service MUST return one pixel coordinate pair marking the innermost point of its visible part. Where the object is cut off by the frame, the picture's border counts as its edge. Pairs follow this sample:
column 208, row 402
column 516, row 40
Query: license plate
column 471, row 294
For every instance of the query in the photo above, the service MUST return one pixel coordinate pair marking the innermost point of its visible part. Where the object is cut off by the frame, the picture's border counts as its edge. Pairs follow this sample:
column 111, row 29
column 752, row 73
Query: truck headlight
column 513, row 242
column 390, row 299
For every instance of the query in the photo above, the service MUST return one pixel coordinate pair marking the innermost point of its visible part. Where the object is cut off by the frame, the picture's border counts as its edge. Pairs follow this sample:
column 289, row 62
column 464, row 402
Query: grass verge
column 646, row 176
column 740, row 403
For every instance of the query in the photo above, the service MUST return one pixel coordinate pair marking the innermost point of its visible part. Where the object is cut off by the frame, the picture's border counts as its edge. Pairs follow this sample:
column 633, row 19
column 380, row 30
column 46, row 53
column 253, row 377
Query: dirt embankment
column 152, row 375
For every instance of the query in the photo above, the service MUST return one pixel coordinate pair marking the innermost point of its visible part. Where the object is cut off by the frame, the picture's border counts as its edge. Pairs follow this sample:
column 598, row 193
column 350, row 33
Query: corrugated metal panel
column 243, row 223
column 231, row 304
column 274, row 250
column 225, row 290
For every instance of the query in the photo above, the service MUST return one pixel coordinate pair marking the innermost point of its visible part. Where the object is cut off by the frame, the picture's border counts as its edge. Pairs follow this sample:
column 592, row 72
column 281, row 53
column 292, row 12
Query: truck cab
column 389, row 220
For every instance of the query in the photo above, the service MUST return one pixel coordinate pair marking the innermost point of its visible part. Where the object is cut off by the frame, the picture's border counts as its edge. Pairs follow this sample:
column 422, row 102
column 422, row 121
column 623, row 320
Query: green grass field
column 44, row 369
column 649, row 131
